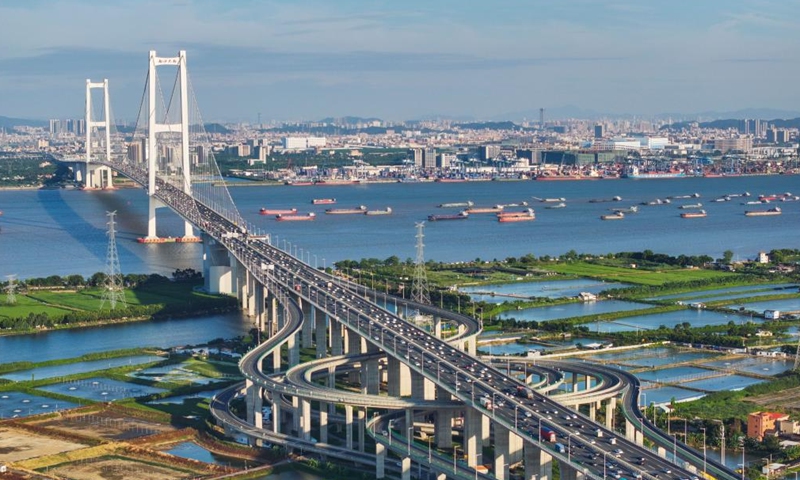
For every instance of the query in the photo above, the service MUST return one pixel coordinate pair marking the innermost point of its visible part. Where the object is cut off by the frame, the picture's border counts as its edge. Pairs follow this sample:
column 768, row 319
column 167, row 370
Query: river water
column 45, row 232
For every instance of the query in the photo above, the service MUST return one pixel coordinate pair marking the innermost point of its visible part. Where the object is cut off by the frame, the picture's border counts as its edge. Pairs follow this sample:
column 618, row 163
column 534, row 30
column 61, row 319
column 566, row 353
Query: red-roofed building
column 759, row 423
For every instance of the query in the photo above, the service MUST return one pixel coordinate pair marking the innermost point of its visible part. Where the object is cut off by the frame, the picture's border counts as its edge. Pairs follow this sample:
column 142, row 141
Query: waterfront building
column 759, row 423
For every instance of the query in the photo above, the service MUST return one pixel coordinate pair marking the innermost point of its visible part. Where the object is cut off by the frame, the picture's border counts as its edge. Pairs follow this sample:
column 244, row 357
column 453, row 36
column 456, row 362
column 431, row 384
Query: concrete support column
column 276, row 412
column 320, row 331
column 258, row 406
column 405, row 467
column 538, row 463
column 260, row 308
column 662, row 452
column 305, row 419
column 443, row 428
column 372, row 384
column 515, row 444
column 575, row 386
column 501, row 453
column 567, row 472
column 421, row 387
column 437, row 327
column 293, row 345
column 630, row 431
column 380, row 460
column 472, row 435
column 362, row 427
column 348, row 426
column 611, row 407
column 276, row 359
column 486, row 425
column 337, row 343
column 308, row 325
column 353, row 348
column 588, row 384
column 250, row 391
column 323, row 422
column 296, row 415
column 399, row 378
column 592, row 411
column 472, row 346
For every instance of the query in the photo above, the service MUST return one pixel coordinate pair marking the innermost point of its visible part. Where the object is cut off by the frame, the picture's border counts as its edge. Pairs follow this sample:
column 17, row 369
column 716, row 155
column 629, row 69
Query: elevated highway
column 457, row 375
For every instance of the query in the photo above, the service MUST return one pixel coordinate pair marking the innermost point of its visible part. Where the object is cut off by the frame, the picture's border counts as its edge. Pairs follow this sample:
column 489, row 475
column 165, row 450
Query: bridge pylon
column 155, row 127
column 99, row 176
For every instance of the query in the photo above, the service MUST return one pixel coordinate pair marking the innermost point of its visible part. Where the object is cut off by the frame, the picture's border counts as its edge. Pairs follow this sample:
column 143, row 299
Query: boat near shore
column 456, row 216
column 346, row 211
column 388, row 211
column 697, row 214
column 323, row 201
column 613, row 216
column 277, row 211
column 764, row 213
column 296, row 218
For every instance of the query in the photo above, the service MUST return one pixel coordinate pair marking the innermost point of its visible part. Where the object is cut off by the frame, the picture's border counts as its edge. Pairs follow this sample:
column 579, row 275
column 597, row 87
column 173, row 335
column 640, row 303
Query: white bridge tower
column 100, row 176
column 154, row 128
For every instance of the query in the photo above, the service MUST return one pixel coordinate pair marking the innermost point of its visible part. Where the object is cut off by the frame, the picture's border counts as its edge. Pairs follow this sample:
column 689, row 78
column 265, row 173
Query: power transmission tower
column 419, row 286
column 11, row 290
column 113, row 292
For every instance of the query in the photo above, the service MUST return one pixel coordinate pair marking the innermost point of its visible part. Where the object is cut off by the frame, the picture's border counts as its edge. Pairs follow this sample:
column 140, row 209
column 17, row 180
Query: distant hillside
column 348, row 120
column 8, row 122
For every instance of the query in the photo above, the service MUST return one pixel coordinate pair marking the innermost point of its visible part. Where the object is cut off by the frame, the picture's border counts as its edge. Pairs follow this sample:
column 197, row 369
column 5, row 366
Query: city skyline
column 398, row 62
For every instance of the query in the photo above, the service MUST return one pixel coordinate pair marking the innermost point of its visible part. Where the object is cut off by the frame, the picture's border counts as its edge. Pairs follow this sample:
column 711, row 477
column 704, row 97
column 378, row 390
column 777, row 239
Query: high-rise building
column 415, row 154
column 599, row 131
column 782, row 136
column 429, row 157
column 488, row 152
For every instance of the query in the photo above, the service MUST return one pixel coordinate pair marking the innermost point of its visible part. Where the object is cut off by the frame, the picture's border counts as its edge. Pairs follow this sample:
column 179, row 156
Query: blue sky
column 406, row 59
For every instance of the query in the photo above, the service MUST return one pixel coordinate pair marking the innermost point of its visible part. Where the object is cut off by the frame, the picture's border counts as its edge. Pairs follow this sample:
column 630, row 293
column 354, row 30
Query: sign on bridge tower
column 155, row 128
column 99, row 177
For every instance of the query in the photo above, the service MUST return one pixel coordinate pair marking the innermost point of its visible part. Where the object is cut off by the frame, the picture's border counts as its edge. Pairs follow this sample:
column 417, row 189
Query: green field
column 57, row 303
column 635, row 276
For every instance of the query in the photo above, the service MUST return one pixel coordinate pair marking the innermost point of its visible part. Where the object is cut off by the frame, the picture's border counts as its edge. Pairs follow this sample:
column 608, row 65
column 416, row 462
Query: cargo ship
column 388, row 211
column 277, row 211
column 495, row 209
column 524, row 216
column 456, row 205
column 635, row 173
column 550, row 200
column 346, row 211
column 631, row 209
column 691, row 206
column 458, row 216
column 323, row 201
column 613, row 216
column 295, row 217
column 295, row 183
column 763, row 213
column 698, row 214
column 604, row 200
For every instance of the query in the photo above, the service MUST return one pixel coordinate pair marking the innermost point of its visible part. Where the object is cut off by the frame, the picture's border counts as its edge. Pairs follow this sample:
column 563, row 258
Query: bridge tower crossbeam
column 155, row 127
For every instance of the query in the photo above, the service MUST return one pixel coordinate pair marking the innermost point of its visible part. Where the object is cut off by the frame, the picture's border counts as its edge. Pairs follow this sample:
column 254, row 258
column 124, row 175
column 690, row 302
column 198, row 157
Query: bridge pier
column 308, row 325
column 421, row 387
column 305, row 419
column 276, row 411
column 538, row 463
column 437, row 326
column 443, row 426
column 348, row 426
column 337, row 339
column 320, row 331
column 405, row 468
column 216, row 267
column 380, row 460
column 362, row 427
column 515, row 446
column 611, row 408
column 399, row 378
column 323, row 422
column 501, row 452
column 472, row 435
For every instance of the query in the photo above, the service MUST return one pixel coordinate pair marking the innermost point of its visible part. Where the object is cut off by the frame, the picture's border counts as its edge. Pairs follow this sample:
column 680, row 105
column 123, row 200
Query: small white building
column 772, row 314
